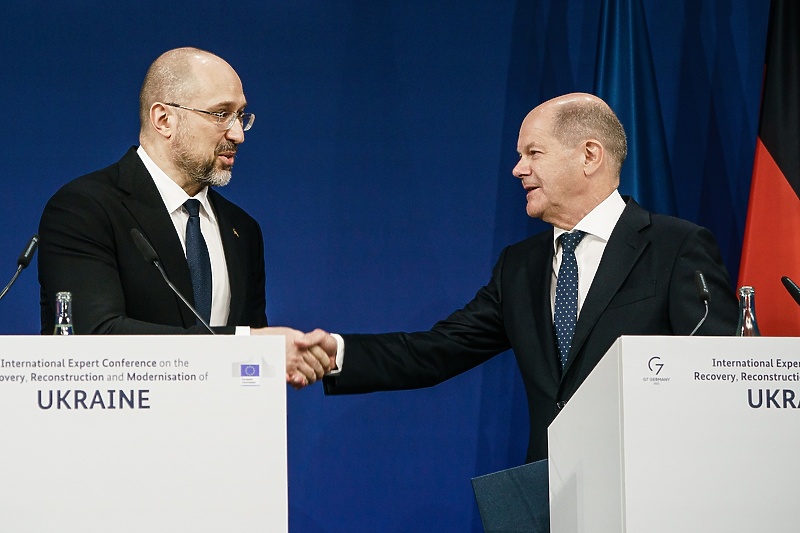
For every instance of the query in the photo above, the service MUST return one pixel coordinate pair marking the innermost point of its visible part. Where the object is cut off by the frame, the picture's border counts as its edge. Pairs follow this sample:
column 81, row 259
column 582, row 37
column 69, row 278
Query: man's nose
column 236, row 132
column 520, row 169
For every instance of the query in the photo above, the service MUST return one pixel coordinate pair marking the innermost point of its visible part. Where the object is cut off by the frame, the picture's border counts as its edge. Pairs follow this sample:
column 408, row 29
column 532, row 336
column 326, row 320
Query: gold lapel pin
column 235, row 232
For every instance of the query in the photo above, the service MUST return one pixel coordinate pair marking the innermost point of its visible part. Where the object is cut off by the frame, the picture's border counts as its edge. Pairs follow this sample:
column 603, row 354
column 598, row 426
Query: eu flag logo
column 250, row 371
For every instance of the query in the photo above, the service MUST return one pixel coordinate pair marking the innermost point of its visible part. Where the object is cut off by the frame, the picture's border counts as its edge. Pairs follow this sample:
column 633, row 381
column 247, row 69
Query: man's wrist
column 339, row 354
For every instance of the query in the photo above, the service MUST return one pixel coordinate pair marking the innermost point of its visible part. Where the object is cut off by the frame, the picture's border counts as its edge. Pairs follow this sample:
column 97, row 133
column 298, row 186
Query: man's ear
column 593, row 156
column 162, row 120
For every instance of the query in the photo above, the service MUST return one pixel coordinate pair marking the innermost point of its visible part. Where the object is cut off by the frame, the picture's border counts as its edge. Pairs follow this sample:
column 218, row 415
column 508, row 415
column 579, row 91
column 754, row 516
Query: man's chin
column 218, row 178
column 534, row 211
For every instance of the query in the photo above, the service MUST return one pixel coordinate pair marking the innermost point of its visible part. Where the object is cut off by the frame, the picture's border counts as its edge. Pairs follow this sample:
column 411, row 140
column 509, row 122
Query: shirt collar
column 171, row 193
column 600, row 221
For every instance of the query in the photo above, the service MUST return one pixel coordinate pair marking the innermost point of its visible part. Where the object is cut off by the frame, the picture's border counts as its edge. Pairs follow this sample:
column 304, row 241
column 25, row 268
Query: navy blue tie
column 198, row 259
column 565, row 314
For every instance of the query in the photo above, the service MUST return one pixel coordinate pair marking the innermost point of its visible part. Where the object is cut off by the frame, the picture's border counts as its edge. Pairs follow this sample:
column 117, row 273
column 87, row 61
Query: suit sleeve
column 394, row 361
column 699, row 252
column 78, row 253
column 256, row 304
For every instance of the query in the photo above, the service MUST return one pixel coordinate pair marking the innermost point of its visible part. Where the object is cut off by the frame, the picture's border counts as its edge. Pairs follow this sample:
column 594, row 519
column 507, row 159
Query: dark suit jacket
column 86, row 249
column 644, row 286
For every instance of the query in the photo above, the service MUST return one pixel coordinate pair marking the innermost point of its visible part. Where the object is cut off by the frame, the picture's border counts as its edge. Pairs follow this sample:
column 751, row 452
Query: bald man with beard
column 635, row 276
column 193, row 119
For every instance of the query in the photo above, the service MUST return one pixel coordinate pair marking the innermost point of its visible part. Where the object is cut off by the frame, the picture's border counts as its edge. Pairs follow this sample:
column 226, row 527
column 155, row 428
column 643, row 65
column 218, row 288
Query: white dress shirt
column 597, row 225
column 174, row 197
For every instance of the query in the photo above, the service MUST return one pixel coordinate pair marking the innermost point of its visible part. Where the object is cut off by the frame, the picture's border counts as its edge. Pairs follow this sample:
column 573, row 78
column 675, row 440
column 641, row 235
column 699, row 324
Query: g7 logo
column 655, row 365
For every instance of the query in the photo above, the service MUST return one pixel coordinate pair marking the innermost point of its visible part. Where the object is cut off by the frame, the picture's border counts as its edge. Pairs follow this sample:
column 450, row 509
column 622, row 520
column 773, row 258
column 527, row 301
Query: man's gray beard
column 202, row 172
column 215, row 178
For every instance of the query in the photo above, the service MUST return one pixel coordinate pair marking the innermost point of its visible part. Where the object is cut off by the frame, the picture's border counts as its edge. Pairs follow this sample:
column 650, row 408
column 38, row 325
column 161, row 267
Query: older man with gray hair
column 193, row 119
column 558, row 299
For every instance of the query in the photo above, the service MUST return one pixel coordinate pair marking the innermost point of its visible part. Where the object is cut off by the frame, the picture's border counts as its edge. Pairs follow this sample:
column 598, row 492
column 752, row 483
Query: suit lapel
column 231, row 242
column 540, row 268
column 147, row 208
column 622, row 251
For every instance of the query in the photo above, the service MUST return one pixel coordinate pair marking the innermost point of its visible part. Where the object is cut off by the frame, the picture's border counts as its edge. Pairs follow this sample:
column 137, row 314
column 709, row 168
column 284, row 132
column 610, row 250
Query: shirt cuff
column 242, row 330
column 339, row 355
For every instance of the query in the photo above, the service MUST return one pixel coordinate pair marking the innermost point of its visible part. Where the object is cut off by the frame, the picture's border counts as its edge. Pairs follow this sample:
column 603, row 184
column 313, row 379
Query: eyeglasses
column 225, row 119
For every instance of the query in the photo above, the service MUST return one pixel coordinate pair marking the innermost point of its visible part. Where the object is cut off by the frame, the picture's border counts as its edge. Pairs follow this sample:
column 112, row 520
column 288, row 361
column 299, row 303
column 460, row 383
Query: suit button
column 560, row 405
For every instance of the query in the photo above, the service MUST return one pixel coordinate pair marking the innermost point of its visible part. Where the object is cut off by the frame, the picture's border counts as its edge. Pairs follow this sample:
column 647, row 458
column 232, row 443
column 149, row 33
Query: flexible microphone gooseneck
column 151, row 256
column 792, row 287
column 704, row 294
column 23, row 261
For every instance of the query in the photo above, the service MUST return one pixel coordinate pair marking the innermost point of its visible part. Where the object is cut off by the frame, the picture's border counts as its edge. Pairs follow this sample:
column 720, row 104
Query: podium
column 686, row 434
column 144, row 433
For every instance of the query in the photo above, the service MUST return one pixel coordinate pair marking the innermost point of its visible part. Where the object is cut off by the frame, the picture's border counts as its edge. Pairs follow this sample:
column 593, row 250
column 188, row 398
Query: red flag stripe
column 772, row 246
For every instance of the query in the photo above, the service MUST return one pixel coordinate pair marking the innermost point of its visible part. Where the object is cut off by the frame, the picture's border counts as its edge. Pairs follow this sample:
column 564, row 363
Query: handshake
column 309, row 356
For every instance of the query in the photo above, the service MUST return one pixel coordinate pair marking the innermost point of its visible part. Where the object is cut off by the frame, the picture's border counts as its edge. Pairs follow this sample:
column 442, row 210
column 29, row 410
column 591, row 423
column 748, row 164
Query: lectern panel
column 131, row 434
column 707, row 431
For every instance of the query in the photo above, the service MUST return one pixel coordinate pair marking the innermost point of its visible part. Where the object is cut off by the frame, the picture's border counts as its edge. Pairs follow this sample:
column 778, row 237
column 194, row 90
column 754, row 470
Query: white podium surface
column 143, row 434
column 681, row 434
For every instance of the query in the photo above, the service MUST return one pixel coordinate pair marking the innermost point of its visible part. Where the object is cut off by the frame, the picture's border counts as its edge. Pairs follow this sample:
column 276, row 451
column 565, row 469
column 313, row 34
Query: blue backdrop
column 380, row 170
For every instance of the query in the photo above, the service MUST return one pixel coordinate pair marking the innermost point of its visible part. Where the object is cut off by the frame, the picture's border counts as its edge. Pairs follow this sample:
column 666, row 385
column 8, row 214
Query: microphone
column 702, row 288
column 27, row 254
column 704, row 294
column 23, row 261
column 151, row 256
column 792, row 287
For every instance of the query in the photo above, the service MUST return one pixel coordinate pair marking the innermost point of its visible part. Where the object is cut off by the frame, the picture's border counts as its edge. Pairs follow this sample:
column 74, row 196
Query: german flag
column 771, row 246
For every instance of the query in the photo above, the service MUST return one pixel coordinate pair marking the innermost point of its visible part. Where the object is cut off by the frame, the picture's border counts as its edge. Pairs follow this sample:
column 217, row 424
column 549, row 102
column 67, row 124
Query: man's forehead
column 224, row 88
column 533, row 133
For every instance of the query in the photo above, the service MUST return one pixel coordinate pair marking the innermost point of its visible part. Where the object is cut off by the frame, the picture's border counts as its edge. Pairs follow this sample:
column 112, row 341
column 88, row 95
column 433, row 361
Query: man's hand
column 322, row 340
column 305, row 363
